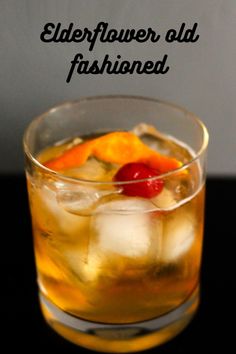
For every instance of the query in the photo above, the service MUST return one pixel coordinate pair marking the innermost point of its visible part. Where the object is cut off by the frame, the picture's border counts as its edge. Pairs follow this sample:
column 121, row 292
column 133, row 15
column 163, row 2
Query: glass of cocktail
column 116, row 190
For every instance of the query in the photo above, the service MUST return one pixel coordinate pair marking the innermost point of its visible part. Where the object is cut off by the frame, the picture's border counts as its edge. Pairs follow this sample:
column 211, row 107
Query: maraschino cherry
column 137, row 171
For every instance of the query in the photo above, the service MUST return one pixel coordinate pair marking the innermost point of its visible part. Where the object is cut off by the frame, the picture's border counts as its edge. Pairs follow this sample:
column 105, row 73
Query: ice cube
column 115, row 239
column 91, row 264
column 143, row 128
column 125, row 205
column 86, row 267
column 123, row 227
column 82, row 200
column 165, row 200
column 51, row 215
column 178, row 235
column 128, row 235
column 165, row 144
column 93, row 170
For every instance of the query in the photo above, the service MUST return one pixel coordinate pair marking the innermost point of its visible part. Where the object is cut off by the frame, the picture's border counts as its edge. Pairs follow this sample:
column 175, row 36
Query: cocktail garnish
column 117, row 147
column 137, row 171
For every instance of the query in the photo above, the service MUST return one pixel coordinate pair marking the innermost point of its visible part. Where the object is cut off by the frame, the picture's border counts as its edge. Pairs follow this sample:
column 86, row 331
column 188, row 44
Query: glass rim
column 37, row 119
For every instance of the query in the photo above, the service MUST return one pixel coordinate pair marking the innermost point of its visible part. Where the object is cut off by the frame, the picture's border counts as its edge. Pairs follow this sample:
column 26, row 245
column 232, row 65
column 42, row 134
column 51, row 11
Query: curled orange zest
column 116, row 147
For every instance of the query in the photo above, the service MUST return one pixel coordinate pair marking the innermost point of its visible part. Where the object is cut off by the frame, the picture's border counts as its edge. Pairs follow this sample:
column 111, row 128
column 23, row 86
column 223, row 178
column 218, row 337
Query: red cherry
column 137, row 171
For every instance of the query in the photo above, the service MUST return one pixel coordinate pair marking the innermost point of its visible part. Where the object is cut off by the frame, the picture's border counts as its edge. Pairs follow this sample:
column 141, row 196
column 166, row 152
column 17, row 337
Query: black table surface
column 22, row 325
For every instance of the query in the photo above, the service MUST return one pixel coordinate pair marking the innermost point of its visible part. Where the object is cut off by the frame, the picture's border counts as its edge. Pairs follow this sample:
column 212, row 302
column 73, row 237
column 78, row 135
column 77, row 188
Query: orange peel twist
column 116, row 147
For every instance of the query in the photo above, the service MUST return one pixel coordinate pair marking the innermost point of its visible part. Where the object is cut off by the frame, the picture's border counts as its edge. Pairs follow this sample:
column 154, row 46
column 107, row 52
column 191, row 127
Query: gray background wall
column 202, row 75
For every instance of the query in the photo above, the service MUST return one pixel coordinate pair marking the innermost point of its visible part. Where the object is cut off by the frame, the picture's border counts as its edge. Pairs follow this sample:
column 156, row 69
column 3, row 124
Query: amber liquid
column 82, row 277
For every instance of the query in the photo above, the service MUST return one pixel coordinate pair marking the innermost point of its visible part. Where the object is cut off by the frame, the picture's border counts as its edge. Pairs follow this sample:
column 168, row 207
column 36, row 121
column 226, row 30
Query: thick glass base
column 120, row 338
